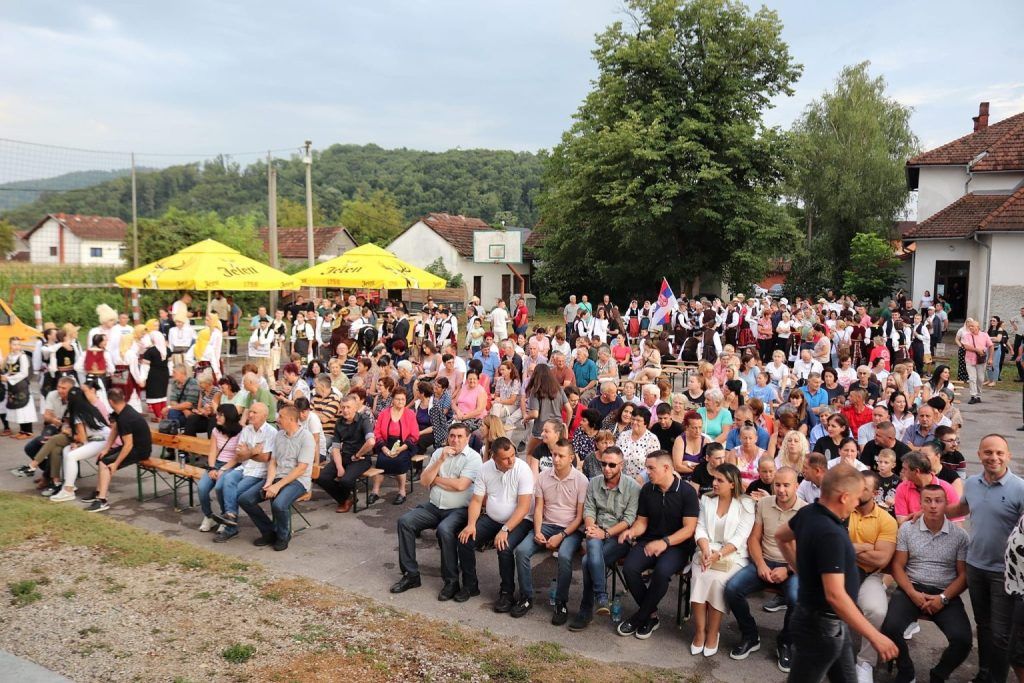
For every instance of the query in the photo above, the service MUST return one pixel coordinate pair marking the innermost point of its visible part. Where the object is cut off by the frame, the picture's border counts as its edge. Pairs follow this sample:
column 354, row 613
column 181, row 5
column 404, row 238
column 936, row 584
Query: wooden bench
column 365, row 477
column 170, row 471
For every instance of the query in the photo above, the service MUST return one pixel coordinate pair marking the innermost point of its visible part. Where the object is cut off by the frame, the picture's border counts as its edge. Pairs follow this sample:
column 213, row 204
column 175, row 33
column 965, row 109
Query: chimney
column 981, row 120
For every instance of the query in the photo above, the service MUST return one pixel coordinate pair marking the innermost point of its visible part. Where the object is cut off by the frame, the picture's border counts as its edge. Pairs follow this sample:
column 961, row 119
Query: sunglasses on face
column 609, row 465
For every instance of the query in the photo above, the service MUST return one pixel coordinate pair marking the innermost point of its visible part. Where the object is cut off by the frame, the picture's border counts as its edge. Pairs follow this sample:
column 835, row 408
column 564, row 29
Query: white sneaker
column 209, row 524
column 62, row 496
column 911, row 630
column 865, row 673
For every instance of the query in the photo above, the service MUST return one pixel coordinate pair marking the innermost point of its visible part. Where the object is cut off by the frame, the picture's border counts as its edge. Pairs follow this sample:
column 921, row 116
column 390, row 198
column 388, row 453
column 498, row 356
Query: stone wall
column 1005, row 302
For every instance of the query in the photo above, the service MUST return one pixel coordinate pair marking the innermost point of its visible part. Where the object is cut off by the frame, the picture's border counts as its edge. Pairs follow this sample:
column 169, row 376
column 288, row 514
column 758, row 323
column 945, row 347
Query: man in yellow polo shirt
column 873, row 532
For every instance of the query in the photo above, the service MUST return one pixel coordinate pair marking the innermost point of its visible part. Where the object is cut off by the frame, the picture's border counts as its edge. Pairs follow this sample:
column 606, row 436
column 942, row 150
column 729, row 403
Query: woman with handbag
column 977, row 356
column 726, row 518
column 16, row 375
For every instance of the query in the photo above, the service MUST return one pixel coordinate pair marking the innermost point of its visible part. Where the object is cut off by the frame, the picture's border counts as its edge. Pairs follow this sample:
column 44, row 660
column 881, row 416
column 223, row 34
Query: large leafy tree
column 6, row 238
column 669, row 169
column 375, row 218
column 850, row 147
column 177, row 229
column 874, row 268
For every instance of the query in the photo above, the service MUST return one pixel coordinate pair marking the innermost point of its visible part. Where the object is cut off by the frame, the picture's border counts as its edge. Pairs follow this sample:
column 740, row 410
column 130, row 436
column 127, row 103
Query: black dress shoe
column 405, row 583
column 266, row 539
column 504, row 603
column 448, row 592
column 372, row 498
column 399, row 499
column 281, row 544
column 466, row 593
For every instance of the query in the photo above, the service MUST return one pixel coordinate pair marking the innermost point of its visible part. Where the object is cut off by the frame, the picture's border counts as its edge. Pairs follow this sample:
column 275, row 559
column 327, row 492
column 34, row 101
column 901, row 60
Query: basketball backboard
column 498, row 246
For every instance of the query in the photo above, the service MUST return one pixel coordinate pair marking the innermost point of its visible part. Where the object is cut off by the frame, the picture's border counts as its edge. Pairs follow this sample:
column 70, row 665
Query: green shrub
column 24, row 592
column 239, row 653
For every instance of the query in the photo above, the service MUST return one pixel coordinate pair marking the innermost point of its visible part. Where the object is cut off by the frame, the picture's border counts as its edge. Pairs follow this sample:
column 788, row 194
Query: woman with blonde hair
column 491, row 427
column 706, row 371
column 793, row 449
column 725, row 521
column 206, row 351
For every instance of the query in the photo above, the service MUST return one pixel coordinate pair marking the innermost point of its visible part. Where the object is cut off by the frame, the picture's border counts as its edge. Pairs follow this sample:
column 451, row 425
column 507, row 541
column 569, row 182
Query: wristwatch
column 504, row 528
column 944, row 599
column 668, row 543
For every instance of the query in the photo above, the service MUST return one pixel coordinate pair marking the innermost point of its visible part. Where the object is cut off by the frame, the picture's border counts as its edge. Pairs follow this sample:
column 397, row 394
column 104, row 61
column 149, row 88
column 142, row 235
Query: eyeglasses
column 609, row 465
column 951, row 441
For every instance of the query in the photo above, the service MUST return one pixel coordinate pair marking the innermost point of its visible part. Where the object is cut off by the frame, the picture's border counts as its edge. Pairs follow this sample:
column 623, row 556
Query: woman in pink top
column 223, row 444
column 746, row 455
column 978, row 356
column 471, row 402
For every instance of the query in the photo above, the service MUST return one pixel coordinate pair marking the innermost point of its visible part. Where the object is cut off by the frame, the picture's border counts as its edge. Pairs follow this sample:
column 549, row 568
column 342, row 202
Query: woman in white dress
column 18, row 409
column 726, row 518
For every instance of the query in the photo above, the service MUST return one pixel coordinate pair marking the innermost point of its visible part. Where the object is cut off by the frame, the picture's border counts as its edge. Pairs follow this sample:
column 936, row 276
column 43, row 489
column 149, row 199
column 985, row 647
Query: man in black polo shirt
column 666, row 429
column 136, row 444
column 350, row 454
column 818, row 545
column 666, row 518
column 885, row 437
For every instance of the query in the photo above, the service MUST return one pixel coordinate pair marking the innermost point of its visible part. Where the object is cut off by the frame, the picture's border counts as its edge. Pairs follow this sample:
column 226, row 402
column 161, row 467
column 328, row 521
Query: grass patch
column 204, row 595
column 506, row 670
column 24, row 592
column 27, row 517
column 238, row 653
column 548, row 652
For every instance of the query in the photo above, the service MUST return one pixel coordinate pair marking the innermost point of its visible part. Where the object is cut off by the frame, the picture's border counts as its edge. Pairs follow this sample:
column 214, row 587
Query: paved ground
column 18, row 669
column 359, row 552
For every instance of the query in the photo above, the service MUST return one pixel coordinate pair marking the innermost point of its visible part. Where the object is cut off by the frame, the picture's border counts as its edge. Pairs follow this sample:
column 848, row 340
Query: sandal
column 22, row 436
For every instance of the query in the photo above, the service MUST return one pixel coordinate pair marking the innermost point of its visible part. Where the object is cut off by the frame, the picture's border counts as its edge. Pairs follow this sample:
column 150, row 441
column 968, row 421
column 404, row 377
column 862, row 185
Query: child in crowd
column 762, row 486
column 888, row 479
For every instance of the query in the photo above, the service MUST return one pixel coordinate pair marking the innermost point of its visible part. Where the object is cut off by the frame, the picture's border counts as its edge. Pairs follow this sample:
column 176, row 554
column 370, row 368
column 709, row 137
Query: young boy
column 885, row 497
column 762, row 486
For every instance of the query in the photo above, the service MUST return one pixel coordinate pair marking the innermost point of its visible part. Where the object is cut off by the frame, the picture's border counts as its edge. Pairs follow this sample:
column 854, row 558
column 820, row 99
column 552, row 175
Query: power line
column 150, row 154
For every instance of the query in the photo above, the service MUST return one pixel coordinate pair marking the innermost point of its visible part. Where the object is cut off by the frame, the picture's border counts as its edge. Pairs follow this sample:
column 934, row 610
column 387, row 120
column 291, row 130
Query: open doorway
column 951, row 282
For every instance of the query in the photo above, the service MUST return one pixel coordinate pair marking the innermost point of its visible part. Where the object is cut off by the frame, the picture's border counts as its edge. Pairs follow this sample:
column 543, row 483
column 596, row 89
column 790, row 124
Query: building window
column 53, row 251
column 96, row 252
column 124, row 253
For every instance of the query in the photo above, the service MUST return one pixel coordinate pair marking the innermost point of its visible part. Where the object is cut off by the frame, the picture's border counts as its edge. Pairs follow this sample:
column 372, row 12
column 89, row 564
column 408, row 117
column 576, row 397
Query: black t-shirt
column 827, row 446
column 130, row 423
column 948, row 476
column 822, row 547
column 667, row 437
column 873, row 389
column 605, row 409
column 759, row 485
column 350, row 436
column 702, row 478
column 665, row 510
column 869, row 455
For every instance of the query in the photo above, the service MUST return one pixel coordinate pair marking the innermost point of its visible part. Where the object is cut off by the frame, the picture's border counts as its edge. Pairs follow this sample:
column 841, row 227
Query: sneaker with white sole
column 91, row 498
column 62, row 496
column 209, row 524
column 98, row 505
column 23, row 471
column 865, row 673
column 774, row 604
column 911, row 630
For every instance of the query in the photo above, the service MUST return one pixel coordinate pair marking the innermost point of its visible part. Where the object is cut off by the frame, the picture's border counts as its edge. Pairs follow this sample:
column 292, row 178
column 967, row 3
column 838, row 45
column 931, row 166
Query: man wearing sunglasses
column 609, row 510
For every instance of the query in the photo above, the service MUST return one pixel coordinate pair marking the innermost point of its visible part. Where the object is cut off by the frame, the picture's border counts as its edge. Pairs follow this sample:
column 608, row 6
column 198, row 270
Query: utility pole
column 272, row 223
column 310, row 247
column 135, row 219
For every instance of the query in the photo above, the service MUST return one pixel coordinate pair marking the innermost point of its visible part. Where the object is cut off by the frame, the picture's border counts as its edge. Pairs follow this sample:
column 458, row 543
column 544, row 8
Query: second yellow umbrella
column 369, row 267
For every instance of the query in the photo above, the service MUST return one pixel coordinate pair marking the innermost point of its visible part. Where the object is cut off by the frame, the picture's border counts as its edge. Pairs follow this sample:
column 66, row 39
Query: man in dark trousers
column 401, row 330
column 350, row 455
column 817, row 544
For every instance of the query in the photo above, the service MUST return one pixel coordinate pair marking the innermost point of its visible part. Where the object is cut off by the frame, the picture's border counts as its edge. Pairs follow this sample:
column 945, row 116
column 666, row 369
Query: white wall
column 995, row 181
column 420, row 246
column 938, row 187
column 111, row 253
column 930, row 251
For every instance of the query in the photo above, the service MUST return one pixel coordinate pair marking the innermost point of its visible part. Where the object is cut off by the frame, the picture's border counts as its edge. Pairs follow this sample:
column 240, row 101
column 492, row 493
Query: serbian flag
column 665, row 307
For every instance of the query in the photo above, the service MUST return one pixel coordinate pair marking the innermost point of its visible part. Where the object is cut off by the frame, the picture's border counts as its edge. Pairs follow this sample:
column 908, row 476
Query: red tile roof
column 1001, row 143
column 965, row 216
column 531, row 247
column 456, row 230
column 291, row 242
column 87, row 227
column 1009, row 216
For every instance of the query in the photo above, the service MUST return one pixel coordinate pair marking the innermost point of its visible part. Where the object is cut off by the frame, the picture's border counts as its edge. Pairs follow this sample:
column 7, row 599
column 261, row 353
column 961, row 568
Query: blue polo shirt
column 585, row 372
column 733, row 440
column 995, row 509
column 815, row 400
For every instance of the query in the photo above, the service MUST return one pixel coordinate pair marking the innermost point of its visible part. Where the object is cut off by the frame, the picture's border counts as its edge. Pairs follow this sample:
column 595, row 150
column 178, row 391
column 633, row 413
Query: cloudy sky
column 192, row 77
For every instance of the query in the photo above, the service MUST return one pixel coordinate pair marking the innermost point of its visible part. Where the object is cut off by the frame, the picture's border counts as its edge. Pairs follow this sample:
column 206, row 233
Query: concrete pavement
column 358, row 552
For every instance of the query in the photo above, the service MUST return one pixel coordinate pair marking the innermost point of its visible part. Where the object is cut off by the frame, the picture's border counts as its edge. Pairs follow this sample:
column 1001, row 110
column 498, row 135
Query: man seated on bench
column 350, row 454
column 288, row 478
column 247, row 470
column 136, row 443
column 767, row 568
column 450, row 475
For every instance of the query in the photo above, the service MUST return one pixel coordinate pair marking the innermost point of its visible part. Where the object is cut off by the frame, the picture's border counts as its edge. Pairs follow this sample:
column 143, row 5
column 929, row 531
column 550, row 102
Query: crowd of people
column 812, row 455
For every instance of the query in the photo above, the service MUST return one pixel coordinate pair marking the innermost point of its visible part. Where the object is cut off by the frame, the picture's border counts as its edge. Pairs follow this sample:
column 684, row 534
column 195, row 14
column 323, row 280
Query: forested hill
column 491, row 184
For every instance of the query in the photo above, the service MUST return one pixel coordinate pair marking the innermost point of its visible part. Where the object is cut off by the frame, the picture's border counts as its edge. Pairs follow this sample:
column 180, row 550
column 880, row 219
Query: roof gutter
column 986, row 292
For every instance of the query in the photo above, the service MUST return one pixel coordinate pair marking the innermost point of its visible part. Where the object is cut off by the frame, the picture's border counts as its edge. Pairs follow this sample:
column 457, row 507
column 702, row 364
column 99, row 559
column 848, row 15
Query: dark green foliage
column 874, row 269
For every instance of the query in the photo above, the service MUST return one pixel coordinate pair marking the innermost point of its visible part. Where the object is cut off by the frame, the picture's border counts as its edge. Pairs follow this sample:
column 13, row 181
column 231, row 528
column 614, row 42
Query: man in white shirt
column 815, row 466
column 805, row 365
column 247, row 469
column 499, row 321
column 311, row 421
column 506, row 483
column 122, row 329
column 180, row 307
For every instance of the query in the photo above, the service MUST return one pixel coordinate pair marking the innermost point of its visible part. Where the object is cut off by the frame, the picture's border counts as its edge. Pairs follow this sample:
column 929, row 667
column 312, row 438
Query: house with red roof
column 329, row 241
column 969, row 237
column 77, row 240
column 491, row 260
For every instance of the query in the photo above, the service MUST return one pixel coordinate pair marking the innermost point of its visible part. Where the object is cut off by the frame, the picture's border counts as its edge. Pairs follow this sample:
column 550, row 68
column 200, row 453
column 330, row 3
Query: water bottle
column 553, row 592
column 181, row 460
column 616, row 609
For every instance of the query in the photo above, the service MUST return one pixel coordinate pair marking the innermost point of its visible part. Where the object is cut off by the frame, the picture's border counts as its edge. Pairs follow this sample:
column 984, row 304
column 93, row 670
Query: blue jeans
column 566, row 550
column 746, row 581
column 235, row 484
column 207, row 486
column 280, row 506
column 448, row 523
column 992, row 374
column 601, row 554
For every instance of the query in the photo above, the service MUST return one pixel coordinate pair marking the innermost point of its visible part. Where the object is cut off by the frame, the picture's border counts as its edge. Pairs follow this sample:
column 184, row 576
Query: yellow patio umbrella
column 208, row 265
column 369, row 267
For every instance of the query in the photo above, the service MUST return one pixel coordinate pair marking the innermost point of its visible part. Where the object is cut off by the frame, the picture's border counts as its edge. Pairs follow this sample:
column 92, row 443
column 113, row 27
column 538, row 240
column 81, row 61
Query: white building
column 78, row 240
column 450, row 238
column 969, row 238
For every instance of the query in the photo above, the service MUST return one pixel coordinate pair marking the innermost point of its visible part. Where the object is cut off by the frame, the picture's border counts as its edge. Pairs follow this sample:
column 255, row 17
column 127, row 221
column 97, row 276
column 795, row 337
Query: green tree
column 6, row 238
column 177, row 229
column 669, row 169
column 375, row 218
column 293, row 214
column 811, row 271
column 850, row 147
column 874, row 268
column 438, row 268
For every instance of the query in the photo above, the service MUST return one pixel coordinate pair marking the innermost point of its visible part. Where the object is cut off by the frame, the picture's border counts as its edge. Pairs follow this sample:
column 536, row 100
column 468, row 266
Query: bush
column 24, row 592
column 239, row 653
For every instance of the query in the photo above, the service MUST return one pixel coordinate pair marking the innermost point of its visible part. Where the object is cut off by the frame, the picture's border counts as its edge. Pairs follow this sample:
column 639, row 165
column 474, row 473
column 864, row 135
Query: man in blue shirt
column 585, row 371
column 995, row 501
column 817, row 397
column 742, row 416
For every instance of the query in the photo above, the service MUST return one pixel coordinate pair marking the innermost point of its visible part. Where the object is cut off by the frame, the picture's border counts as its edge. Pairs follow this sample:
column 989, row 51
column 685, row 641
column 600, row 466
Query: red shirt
column 855, row 419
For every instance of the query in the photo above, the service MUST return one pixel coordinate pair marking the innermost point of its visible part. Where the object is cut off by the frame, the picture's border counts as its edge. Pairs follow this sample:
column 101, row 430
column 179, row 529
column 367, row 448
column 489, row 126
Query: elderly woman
column 637, row 444
column 978, row 355
column 746, row 456
column 725, row 521
column 397, row 433
column 406, row 376
column 200, row 421
column 717, row 419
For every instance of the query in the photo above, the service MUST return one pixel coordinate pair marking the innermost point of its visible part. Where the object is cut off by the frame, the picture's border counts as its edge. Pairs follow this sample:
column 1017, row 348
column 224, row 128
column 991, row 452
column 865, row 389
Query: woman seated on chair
column 397, row 433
